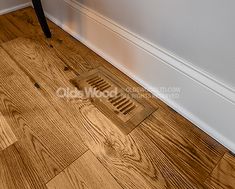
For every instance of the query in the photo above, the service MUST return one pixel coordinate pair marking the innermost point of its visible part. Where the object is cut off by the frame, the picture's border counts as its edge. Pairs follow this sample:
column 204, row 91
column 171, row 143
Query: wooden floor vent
column 126, row 110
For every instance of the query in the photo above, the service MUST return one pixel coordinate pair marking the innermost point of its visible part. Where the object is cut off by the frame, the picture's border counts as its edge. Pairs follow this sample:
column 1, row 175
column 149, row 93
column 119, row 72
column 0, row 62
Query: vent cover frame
column 124, row 110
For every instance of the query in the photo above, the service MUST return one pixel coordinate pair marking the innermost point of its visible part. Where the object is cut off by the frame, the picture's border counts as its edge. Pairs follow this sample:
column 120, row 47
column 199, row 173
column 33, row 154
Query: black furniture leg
column 41, row 17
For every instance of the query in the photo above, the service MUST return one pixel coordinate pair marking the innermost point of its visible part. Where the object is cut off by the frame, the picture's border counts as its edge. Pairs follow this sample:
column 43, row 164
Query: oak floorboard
column 27, row 22
column 7, row 137
column 44, row 137
column 189, row 148
column 86, row 172
column 132, row 165
column 47, row 67
column 42, row 66
column 14, row 174
column 223, row 176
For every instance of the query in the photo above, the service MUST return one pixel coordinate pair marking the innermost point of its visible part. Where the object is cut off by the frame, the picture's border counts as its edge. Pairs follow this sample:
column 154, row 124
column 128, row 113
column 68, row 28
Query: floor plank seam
column 23, row 162
column 67, row 166
column 108, row 171
column 139, row 125
column 215, row 167
column 29, row 76
column 14, row 26
column 182, row 171
column 5, row 149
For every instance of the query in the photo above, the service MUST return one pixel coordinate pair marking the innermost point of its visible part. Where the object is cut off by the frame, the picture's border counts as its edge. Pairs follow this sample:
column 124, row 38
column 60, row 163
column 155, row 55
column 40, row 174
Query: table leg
column 41, row 17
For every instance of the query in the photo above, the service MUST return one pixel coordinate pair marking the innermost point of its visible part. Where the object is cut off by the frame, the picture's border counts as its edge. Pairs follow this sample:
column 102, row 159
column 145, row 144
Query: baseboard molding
column 204, row 100
column 14, row 8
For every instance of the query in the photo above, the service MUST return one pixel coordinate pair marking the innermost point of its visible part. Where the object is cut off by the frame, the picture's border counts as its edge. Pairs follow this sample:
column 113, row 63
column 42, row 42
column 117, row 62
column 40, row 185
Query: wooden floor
column 50, row 142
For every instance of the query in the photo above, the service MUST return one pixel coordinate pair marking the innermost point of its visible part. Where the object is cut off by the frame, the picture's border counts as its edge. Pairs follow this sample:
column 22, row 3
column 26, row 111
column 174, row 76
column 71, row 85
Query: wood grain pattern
column 14, row 174
column 38, row 62
column 120, row 154
column 223, row 176
column 86, row 172
column 188, row 147
column 133, row 160
column 7, row 137
column 72, row 55
column 43, row 136
column 43, row 67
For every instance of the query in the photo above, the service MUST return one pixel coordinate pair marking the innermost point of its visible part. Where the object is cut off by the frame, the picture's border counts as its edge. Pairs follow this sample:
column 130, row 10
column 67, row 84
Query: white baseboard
column 205, row 101
column 14, row 8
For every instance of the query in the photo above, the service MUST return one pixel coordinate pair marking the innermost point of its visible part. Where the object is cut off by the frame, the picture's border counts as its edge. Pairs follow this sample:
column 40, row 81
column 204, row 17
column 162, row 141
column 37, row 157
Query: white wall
column 201, row 32
column 7, row 6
